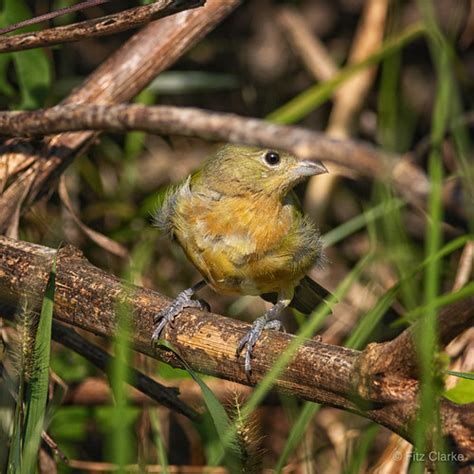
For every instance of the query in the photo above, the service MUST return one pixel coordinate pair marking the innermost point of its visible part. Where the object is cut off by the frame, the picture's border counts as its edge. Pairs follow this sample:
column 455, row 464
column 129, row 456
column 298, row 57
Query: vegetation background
column 416, row 97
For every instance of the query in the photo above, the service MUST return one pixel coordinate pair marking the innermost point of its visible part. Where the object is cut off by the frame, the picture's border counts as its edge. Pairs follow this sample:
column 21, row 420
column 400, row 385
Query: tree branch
column 87, row 297
column 361, row 157
column 106, row 25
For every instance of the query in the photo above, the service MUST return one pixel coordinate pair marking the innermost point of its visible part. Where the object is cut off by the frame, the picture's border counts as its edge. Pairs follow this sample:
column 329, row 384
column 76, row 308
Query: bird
column 239, row 222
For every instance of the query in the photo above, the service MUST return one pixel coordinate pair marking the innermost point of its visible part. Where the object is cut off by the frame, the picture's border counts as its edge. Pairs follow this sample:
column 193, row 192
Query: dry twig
column 166, row 396
column 107, row 25
column 314, row 54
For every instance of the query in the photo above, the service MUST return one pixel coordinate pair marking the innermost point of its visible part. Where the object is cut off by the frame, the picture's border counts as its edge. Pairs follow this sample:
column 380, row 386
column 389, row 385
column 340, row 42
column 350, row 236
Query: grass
column 29, row 420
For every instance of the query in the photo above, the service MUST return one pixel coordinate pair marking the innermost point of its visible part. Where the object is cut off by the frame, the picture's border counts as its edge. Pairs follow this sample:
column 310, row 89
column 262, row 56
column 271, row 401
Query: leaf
column 464, row 375
column 463, row 392
column 34, row 78
column 32, row 67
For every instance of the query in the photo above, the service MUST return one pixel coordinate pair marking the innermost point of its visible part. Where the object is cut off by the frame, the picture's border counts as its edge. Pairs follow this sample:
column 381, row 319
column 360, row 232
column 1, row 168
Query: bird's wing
column 308, row 295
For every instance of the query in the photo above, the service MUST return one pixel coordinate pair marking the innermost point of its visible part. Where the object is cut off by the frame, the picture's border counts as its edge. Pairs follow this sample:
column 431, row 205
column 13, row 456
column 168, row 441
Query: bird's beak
column 310, row 168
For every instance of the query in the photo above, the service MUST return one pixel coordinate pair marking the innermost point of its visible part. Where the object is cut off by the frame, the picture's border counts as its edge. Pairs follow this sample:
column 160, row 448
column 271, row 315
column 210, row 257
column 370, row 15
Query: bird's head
column 237, row 169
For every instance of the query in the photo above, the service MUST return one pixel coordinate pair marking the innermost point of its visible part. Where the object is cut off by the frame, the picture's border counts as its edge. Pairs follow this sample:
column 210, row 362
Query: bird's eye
column 272, row 158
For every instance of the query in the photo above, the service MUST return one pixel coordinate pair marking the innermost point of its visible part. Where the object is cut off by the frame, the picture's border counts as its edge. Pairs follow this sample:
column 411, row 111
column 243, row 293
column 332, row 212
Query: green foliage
column 463, row 392
column 32, row 67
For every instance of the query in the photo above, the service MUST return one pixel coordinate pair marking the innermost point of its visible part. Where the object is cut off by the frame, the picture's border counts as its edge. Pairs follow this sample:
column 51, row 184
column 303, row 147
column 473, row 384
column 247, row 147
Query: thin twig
column 51, row 15
column 96, row 466
column 115, row 23
column 69, row 338
column 350, row 98
column 313, row 53
column 466, row 262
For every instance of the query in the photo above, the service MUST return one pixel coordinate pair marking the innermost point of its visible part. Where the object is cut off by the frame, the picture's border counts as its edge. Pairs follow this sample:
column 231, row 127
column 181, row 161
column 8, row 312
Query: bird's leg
column 270, row 320
column 182, row 301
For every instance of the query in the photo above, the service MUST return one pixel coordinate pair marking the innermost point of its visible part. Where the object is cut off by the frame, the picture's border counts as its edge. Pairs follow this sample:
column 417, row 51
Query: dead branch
column 359, row 156
column 87, row 297
column 96, row 391
column 106, row 25
column 52, row 14
column 312, row 51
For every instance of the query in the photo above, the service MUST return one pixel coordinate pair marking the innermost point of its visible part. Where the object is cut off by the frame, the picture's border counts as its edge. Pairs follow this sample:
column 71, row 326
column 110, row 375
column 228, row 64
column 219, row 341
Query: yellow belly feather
column 240, row 245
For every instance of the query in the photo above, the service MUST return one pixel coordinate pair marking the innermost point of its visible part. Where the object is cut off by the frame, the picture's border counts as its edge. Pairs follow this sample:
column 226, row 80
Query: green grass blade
column 357, row 340
column 221, row 421
column 297, row 432
column 119, row 377
column 359, row 222
column 464, row 375
column 37, row 390
column 14, row 455
column 440, row 302
column 306, row 331
column 369, row 321
column 162, row 457
column 307, row 101
column 427, row 344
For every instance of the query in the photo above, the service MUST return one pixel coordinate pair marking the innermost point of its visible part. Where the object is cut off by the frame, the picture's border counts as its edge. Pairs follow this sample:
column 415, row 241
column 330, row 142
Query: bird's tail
column 308, row 295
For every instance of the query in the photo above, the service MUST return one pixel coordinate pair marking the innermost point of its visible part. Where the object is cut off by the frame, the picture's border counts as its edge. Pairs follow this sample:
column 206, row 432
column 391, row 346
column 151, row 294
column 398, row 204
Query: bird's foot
column 167, row 315
column 250, row 339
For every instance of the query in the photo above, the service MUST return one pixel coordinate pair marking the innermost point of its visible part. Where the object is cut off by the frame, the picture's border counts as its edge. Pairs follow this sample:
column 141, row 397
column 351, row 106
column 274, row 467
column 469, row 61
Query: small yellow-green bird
column 240, row 225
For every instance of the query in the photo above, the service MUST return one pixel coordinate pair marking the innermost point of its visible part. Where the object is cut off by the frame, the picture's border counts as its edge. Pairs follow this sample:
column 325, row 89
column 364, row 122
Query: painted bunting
column 239, row 223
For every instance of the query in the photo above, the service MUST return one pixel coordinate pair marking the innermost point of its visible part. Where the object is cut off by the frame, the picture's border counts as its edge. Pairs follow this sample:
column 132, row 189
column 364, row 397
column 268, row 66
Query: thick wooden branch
column 87, row 297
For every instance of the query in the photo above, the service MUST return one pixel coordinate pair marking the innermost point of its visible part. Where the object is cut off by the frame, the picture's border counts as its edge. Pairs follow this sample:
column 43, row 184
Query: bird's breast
column 238, row 243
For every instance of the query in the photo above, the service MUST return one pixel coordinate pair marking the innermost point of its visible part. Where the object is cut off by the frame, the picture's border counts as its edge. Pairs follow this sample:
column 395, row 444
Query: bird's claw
column 166, row 316
column 250, row 339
